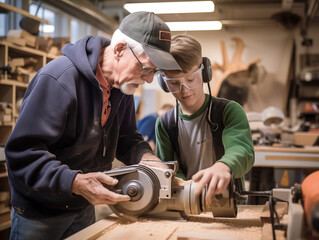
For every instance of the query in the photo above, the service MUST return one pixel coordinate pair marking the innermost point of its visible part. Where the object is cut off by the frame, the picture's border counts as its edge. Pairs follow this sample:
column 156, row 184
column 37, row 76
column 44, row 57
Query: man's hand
column 217, row 177
column 90, row 186
column 151, row 160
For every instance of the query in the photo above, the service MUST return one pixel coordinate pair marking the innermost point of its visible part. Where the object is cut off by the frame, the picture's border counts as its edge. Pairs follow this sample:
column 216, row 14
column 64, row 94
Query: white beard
column 127, row 89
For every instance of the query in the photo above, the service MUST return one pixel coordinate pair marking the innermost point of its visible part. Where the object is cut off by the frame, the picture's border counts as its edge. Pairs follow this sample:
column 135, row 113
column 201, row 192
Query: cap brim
column 161, row 59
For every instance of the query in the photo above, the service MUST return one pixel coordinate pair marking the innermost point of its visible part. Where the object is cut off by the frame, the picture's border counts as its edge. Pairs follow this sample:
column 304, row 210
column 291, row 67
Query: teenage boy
column 210, row 137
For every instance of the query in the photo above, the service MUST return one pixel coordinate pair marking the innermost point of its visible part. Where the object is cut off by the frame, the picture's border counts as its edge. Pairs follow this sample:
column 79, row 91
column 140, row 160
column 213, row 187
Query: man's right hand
column 90, row 186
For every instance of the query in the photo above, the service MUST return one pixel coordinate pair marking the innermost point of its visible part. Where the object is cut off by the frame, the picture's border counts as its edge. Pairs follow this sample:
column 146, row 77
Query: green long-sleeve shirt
column 195, row 141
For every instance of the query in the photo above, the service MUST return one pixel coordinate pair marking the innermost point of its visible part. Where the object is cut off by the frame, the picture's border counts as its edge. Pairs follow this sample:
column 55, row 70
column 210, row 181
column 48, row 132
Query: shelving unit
column 11, row 90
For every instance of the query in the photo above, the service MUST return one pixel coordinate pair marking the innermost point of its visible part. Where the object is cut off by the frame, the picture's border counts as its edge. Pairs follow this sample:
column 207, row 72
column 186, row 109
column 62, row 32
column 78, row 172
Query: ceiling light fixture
column 195, row 26
column 171, row 7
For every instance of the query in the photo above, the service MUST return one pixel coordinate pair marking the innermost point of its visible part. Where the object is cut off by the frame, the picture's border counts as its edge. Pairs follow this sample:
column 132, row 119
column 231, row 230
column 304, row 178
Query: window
column 3, row 22
column 60, row 24
column 44, row 29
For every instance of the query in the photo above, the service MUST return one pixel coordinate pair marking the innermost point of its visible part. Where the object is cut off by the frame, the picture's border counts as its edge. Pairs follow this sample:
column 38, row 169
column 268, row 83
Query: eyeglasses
column 145, row 70
column 191, row 81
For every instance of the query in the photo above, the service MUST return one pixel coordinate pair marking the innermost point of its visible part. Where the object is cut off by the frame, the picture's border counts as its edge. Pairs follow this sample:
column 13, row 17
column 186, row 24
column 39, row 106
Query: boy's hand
column 217, row 177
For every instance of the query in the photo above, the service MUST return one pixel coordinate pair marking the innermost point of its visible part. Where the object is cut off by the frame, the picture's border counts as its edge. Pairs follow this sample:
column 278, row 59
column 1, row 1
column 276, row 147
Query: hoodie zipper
column 103, row 128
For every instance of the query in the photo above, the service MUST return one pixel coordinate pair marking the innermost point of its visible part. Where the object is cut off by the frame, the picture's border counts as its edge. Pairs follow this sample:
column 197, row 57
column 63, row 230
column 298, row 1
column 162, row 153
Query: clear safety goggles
column 190, row 81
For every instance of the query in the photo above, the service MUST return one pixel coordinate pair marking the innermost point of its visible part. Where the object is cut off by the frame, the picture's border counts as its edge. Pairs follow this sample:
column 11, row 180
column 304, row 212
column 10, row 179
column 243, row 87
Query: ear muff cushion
column 161, row 82
column 207, row 72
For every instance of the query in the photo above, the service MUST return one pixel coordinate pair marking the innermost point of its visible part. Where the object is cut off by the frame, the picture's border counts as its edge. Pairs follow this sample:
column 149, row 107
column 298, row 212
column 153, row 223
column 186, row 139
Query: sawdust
column 247, row 226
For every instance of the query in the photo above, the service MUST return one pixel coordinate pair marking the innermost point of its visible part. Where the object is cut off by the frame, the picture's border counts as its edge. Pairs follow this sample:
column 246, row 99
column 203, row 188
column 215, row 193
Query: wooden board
column 247, row 226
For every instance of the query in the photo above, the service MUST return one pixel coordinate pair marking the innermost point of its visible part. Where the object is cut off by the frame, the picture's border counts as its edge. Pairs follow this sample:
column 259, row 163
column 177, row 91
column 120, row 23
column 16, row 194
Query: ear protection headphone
column 207, row 74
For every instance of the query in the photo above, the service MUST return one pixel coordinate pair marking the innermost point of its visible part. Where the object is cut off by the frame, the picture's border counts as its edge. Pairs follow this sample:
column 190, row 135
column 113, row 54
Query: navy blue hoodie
column 59, row 133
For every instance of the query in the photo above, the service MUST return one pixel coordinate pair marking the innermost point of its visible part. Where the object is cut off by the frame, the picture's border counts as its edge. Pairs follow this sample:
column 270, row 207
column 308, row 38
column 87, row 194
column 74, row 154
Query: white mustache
column 129, row 90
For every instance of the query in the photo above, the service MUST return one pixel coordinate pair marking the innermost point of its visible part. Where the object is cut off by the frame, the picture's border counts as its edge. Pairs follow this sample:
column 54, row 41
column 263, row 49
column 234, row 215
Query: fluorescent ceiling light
column 171, row 7
column 195, row 26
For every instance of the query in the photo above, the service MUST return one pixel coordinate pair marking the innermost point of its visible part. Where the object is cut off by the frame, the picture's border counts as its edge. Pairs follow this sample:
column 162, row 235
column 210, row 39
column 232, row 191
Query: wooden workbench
column 247, row 226
column 284, row 157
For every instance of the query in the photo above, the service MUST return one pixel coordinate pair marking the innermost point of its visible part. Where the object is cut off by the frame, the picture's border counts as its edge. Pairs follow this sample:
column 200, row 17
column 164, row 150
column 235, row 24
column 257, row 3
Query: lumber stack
column 23, row 69
column 47, row 44
column 5, row 113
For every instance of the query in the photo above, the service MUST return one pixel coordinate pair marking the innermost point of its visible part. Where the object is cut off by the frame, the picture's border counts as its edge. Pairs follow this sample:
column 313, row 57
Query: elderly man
column 77, row 116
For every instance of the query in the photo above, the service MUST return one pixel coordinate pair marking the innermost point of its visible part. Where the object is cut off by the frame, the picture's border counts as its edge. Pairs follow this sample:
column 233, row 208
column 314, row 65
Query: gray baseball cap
column 154, row 35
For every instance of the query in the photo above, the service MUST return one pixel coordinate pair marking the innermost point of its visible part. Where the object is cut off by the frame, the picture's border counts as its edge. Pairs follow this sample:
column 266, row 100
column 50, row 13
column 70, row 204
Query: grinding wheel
column 143, row 187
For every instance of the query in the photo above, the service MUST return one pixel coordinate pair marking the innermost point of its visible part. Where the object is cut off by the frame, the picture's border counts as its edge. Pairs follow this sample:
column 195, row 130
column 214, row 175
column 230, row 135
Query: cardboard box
column 305, row 138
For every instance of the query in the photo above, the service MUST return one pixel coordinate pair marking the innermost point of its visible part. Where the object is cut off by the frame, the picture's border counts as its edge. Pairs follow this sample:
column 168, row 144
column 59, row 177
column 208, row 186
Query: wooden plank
column 16, row 40
column 247, row 223
column 95, row 230
column 20, row 33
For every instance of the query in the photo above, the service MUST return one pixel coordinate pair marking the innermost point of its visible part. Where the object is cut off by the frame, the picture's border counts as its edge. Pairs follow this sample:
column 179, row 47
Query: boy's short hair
column 187, row 51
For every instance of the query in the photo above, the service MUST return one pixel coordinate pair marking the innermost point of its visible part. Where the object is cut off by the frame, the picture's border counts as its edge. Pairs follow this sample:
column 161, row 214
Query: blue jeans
column 59, row 227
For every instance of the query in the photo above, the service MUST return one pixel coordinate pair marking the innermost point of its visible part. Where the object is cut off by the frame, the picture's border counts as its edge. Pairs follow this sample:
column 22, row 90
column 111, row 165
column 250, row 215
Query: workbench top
column 246, row 226
column 287, row 149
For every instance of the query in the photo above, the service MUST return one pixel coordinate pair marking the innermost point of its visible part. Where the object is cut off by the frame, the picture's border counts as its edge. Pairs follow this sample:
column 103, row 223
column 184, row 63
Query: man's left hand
column 217, row 177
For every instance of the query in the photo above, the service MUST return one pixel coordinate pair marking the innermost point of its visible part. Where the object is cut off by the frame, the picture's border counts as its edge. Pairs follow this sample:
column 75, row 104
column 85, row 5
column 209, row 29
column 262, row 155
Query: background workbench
column 246, row 226
column 284, row 157
column 280, row 167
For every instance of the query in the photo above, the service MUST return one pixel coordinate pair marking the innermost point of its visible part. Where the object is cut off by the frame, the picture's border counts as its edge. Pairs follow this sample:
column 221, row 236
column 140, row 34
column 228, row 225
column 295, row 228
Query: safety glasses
column 191, row 81
column 145, row 70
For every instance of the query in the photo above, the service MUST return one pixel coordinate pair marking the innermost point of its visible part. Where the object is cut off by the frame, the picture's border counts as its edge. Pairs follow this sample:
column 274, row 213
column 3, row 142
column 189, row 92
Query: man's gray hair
column 118, row 36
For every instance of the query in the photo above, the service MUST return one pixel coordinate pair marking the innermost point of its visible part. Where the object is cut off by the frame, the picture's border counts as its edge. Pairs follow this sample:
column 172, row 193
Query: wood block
column 22, row 70
column 17, row 77
column 54, row 50
column 26, row 78
column 20, row 33
column 5, row 117
column 26, row 74
column 16, row 62
column 280, row 207
column 60, row 41
column 16, row 40
column 30, row 62
column 44, row 43
column 3, row 106
column 7, row 110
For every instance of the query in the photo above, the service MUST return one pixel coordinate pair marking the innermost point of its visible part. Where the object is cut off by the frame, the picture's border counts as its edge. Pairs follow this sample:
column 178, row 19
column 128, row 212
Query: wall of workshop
column 273, row 44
